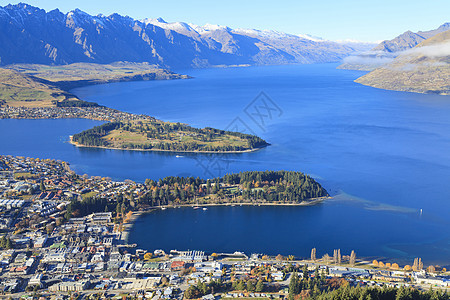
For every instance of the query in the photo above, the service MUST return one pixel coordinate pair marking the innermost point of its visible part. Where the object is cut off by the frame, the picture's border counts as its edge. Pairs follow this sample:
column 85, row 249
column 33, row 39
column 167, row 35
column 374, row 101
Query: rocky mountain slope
column 387, row 50
column 31, row 35
column 422, row 69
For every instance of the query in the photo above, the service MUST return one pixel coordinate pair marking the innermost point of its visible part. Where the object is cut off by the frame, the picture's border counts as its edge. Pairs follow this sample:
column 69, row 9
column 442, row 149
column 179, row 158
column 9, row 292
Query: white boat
column 178, row 156
column 163, row 208
column 204, row 208
column 195, row 207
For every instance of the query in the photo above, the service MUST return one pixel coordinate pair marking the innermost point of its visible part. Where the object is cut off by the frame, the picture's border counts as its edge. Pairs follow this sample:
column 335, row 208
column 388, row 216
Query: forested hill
column 256, row 187
column 152, row 134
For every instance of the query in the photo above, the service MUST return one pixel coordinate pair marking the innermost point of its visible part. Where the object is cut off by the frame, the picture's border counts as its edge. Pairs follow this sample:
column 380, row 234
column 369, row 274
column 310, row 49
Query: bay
column 382, row 154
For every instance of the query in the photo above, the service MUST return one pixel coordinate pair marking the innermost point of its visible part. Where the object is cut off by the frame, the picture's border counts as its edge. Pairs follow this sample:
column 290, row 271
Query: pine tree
column 250, row 286
column 294, row 287
column 9, row 244
column 259, row 286
column 240, row 286
column 42, row 186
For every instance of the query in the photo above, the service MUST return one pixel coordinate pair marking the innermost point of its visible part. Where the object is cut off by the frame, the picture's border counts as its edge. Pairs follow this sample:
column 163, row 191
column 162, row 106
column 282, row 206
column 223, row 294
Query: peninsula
column 152, row 134
column 30, row 91
column 77, row 226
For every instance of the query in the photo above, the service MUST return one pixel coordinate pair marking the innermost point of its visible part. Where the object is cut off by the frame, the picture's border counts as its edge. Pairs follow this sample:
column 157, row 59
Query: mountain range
column 32, row 35
column 387, row 50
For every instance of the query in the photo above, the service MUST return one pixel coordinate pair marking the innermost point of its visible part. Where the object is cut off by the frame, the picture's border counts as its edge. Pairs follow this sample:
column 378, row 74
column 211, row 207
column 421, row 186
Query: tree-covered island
column 152, row 134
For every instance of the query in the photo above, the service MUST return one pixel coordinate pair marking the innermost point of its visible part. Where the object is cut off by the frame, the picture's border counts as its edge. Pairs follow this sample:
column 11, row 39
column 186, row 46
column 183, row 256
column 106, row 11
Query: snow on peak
column 160, row 20
column 274, row 34
column 179, row 27
column 311, row 37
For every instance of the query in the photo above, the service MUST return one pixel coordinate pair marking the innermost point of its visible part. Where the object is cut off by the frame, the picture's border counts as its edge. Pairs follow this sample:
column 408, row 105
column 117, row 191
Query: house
column 433, row 281
column 70, row 286
column 40, row 242
column 277, row 276
column 177, row 265
column 36, row 280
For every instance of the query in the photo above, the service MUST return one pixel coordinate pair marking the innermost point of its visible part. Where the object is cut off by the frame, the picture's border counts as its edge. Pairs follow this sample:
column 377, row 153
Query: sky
column 363, row 20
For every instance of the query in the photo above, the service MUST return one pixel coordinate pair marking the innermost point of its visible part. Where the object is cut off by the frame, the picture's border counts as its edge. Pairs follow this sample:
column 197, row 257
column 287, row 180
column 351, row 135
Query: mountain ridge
column 29, row 34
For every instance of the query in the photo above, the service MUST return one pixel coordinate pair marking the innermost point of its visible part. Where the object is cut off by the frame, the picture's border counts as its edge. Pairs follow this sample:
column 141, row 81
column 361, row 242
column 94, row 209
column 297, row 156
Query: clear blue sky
column 366, row 20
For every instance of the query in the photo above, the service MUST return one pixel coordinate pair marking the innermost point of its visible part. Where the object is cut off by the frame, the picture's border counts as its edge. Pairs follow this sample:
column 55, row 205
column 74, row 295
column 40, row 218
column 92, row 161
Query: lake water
column 382, row 154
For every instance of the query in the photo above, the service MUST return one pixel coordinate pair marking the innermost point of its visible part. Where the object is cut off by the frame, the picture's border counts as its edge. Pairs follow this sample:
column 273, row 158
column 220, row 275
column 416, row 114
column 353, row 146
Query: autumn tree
column 279, row 257
column 352, row 258
column 313, row 254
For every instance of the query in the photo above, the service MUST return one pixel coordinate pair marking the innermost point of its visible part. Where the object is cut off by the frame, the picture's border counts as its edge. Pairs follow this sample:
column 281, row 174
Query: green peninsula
column 30, row 91
column 152, row 134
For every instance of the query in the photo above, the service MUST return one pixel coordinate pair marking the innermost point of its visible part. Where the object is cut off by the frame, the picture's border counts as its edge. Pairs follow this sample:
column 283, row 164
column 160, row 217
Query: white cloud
column 433, row 51
column 371, row 58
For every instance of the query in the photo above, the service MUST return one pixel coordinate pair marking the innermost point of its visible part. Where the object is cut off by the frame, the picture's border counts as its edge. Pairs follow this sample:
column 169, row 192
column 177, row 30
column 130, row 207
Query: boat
column 204, row 208
column 196, row 207
column 178, row 156
column 163, row 208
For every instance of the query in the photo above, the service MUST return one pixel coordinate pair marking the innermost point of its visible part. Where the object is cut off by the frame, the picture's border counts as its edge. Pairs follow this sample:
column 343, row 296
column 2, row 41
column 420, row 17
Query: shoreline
column 162, row 150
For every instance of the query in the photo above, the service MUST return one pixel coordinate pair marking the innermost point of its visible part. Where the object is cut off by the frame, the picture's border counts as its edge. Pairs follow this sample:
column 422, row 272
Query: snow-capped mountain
column 31, row 35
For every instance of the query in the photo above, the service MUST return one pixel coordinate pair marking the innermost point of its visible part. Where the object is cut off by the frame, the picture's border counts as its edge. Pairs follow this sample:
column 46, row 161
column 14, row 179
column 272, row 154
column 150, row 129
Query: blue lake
column 382, row 154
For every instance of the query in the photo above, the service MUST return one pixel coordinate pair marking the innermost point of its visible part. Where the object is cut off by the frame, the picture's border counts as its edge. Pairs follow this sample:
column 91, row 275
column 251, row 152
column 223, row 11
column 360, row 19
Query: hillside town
column 54, row 249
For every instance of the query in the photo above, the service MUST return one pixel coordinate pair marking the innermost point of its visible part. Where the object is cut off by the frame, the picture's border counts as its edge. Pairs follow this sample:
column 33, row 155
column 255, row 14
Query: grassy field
column 137, row 132
column 24, row 175
column 32, row 85
column 79, row 74
column 17, row 89
column 88, row 195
